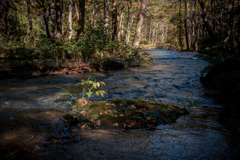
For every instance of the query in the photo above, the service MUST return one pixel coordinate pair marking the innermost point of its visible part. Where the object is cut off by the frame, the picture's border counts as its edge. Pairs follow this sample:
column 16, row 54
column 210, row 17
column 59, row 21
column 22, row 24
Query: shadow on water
column 31, row 127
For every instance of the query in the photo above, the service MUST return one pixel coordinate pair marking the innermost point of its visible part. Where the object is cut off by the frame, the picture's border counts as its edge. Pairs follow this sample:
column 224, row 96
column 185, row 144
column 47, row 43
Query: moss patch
column 123, row 113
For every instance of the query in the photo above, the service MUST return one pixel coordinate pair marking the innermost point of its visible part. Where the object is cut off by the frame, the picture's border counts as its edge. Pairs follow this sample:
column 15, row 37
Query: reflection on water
column 30, row 111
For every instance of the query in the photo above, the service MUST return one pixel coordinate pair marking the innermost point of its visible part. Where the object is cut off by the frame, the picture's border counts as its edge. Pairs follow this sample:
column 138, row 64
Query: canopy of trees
column 87, row 27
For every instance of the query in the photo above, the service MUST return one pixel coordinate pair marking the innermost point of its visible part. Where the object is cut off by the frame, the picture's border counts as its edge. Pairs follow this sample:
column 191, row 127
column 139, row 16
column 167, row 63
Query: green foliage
column 216, row 55
column 88, row 88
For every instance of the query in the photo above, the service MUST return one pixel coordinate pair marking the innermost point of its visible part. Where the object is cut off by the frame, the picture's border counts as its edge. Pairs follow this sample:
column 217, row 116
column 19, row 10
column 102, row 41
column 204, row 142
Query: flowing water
column 30, row 111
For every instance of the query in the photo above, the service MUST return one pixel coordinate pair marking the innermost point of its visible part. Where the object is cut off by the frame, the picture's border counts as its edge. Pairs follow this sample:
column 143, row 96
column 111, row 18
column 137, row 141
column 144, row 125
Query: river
column 30, row 111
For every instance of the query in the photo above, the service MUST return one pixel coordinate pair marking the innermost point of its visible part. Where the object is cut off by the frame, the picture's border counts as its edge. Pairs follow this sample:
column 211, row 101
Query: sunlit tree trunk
column 137, row 36
column 194, row 37
column 130, row 19
column 121, row 22
column 114, row 20
column 70, row 6
column 58, row 29
column 106, row 16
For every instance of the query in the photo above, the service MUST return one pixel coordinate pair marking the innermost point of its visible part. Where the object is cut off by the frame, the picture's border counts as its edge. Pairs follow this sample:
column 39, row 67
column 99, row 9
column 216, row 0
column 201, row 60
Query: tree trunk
column 94, row 14
column 130, row 19
column 106, row 16
column 81, row 21
column 120, row 24
column 70, row 7
column 45, row 15
column 180, row 25
column 176, row 39
column 185, row 24
column 205, row 20
column 29, row 15
column 58, row 29
column 114, row 20
column 137, row 36
column 194, row 26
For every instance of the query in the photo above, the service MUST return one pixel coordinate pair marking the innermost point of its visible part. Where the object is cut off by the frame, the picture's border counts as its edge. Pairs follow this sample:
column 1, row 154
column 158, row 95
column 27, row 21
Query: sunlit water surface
column 30, row 111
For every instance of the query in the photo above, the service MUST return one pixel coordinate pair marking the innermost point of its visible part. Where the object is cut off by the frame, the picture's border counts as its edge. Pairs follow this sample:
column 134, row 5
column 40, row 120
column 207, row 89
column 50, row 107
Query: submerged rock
column 123, row 113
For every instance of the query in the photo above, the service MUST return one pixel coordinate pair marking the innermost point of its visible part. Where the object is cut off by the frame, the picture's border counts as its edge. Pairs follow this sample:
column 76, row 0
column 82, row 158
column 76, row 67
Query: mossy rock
column 122, row 113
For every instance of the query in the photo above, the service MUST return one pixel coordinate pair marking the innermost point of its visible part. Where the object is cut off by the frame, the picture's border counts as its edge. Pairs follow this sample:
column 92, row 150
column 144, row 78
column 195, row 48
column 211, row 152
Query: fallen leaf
column 92, row 120
column 132, row 123
column 116, row 115
column 149, row 118
column 83, row 126
column 115, row 124
column 165, row 119
column 121, row 115
column 107, row 104
column 105, row 112
column 74, row 117
column 133, row 107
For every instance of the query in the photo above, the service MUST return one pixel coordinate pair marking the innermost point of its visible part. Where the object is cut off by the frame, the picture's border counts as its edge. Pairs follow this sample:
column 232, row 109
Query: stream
column 31, row 125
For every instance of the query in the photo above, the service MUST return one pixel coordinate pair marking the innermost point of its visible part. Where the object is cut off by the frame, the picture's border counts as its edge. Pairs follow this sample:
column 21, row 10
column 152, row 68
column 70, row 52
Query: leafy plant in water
column 88, row 88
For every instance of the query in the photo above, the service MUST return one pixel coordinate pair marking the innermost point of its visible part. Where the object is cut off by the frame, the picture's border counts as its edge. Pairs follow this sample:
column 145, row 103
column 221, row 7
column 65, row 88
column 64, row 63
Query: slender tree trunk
column 194, row 26
column 58, row 29
column 180, row 25
column 81, row 22
column 106, row 16
column 137, row 36
column 120, row 24
column 185, row 24
column 29, row 15
column 130, row 19
column 45, row 16
column 153, row 34
column 205, row 20
column 70, row 7
column 176, row 38
column 94, row 14
column 114, row 20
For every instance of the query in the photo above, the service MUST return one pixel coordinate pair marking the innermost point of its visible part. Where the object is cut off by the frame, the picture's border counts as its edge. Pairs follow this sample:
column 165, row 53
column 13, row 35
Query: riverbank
column 35, row 68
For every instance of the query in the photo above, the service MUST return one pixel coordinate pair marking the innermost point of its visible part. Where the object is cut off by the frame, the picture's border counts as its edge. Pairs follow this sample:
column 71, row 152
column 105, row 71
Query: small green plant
column 88, row 88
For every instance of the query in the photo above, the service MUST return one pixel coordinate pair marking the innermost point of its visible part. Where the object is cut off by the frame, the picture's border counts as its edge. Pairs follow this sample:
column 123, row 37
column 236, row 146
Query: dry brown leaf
column 133, row 107
column 115, row 124
column 149, row 118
